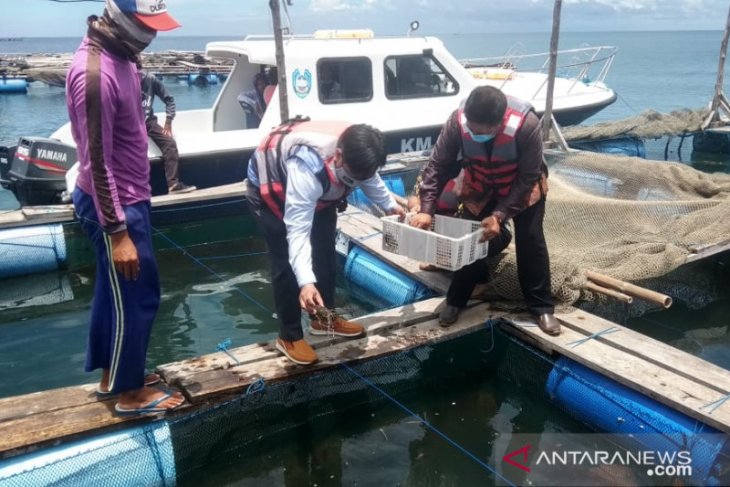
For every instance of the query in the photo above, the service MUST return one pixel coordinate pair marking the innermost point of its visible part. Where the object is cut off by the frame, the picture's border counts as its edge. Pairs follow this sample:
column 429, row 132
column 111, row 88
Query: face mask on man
column 479, row 138
column 345, row 178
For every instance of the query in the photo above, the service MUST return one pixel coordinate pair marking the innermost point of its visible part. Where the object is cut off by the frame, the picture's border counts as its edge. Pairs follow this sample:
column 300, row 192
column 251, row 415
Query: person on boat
column 253, row 101
column 298, row 177
column 112, row 199
column 162, row 136
column 497, row 141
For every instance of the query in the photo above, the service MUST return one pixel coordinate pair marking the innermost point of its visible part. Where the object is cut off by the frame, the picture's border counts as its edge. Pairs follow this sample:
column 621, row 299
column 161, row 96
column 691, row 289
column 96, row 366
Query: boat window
column 417, row 76
column 345, row 80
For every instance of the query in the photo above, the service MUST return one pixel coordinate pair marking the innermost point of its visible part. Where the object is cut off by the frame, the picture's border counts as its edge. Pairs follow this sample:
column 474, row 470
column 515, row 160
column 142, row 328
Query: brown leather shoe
column 341, row 327
column 299, row 352
column 549, row 324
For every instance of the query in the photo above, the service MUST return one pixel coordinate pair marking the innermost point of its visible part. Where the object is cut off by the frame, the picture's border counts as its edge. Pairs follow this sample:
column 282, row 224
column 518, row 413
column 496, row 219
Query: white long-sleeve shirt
column 303, row 190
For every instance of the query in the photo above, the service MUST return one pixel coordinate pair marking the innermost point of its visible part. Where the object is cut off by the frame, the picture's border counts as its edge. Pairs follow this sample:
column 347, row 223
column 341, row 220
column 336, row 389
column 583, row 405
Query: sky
column 237, row 18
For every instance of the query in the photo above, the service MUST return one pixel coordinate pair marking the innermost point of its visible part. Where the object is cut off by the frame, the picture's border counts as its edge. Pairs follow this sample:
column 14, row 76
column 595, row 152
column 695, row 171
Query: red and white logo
column 522, row 452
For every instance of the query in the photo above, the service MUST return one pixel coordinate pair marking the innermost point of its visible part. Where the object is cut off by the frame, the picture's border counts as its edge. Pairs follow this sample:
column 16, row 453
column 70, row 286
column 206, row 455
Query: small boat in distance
column 405, row 86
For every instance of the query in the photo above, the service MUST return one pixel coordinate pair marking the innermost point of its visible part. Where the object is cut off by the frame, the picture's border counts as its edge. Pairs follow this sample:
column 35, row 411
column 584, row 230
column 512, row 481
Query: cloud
column 339, row 5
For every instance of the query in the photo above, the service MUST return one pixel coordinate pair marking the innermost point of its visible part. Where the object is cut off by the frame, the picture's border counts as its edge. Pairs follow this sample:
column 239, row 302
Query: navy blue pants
column 283, row 280
column 122, row 312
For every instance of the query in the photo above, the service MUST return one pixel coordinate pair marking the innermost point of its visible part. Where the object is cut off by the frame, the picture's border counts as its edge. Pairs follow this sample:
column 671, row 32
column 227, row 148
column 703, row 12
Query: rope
column 256, row 387
column 223, row 347
column 209, row 205
column 577, row 343
column 234, row 256
column 426, row 423
column 211, row 271
column 489, row 324
column 716, row 404
column 155, row 450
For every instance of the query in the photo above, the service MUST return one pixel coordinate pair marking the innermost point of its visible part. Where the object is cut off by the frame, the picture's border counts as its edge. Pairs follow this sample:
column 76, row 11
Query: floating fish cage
column 202, row 79
column 13, row 85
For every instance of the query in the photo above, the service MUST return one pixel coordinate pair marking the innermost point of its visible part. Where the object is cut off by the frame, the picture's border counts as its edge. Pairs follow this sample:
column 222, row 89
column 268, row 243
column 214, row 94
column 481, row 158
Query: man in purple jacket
column 112, row 198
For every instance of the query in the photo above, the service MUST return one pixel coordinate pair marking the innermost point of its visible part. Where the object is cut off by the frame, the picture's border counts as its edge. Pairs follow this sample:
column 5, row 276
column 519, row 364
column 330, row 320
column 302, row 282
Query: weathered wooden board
column 650, row 350
column 373, row 323
column 654, row 380
column 202, row 386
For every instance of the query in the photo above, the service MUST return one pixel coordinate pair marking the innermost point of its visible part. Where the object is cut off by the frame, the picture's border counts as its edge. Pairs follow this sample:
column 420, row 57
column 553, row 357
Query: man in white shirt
column 297, row 178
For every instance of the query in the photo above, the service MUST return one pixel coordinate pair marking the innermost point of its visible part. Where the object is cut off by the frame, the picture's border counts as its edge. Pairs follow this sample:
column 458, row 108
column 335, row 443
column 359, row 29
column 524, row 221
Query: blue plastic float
column 13, row 85
column 605, row 405
column 137, row 456
column 30, row 250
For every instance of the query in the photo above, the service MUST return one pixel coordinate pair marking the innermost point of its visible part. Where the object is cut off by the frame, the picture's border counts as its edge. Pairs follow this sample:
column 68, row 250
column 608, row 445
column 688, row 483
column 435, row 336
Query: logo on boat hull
column 301, row 82
column 415, row 144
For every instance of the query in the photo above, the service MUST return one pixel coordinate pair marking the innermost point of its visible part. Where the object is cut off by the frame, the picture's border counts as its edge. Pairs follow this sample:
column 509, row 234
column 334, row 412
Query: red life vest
column 282, row 142
column 486, row 175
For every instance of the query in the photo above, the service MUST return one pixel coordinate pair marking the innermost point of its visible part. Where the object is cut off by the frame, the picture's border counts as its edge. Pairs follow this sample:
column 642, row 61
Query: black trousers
column 283, row 281
column 168, row 147
column 533, row 263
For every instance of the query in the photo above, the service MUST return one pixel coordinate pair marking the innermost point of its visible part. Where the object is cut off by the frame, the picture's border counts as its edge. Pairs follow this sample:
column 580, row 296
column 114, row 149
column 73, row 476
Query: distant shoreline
column 436, row 34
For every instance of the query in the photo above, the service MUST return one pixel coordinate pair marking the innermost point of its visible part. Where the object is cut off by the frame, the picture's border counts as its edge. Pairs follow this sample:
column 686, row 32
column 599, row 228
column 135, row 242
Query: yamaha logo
column 52, row 155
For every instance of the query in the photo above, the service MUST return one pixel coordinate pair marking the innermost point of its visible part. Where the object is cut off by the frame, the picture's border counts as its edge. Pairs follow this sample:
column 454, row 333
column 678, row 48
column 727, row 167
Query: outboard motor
column 38, row 166
column 6, row 157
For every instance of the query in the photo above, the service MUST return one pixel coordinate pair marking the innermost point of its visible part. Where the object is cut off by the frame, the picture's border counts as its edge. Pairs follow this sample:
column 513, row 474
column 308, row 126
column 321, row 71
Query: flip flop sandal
column 149, row 408
column 147, row 383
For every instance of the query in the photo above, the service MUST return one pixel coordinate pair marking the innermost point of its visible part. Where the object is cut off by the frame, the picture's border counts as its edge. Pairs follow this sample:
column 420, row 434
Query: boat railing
column 587, row 65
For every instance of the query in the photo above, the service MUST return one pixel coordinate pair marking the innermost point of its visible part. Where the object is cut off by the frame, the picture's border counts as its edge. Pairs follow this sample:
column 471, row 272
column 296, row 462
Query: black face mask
column 120, row 33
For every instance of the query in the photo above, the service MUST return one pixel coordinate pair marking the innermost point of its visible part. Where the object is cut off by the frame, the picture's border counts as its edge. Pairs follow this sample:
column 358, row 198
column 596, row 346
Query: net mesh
column 625, row 217
column 647, row 125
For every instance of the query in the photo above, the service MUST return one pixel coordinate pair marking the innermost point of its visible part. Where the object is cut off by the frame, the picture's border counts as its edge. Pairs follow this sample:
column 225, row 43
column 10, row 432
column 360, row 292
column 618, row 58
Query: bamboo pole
column 280, row 63
column 630, row 289
column 547, row 116
column 716, row 100
column 593, row 287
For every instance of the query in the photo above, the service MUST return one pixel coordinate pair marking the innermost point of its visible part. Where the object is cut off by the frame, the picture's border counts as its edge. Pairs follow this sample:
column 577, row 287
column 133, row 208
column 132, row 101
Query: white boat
column 405, row 86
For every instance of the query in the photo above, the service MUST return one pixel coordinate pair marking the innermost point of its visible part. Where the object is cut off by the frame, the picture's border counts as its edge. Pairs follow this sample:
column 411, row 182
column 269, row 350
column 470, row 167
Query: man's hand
column 490, row 228
column 124, row 255
column 309, row 298
column 422, row 220
column 167, row 129
column 398, row 210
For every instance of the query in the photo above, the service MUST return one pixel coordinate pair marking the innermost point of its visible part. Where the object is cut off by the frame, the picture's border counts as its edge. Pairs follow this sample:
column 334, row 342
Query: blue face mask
column 479, row 138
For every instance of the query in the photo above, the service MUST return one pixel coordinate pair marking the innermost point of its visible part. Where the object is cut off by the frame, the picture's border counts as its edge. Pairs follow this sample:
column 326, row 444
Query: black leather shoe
column 549, row 324
column 449, row 315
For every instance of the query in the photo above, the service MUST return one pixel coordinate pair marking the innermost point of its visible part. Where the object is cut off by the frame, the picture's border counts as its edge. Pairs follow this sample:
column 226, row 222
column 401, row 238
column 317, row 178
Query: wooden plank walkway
column 52, row 417
column 42, row 215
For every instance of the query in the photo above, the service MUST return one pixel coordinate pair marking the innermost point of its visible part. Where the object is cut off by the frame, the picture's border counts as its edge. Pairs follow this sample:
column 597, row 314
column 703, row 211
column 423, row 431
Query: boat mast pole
column 280, row 64
column 719, row 101
column 547, row 117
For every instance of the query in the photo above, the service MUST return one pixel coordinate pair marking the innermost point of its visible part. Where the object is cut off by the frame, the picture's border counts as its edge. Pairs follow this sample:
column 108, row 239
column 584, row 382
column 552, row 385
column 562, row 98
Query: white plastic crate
column 451, row 245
